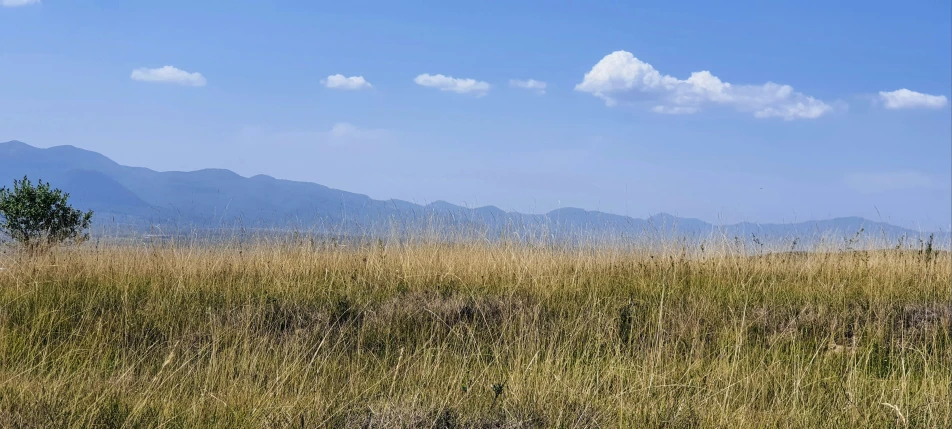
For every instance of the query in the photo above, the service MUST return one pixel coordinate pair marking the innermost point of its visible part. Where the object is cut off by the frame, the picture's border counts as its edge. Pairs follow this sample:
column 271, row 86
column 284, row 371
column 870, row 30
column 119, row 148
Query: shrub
column 39, row 217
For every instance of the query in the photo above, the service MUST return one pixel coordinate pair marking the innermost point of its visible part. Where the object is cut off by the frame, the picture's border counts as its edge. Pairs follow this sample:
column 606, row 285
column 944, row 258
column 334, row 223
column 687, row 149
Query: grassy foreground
column 473, row 335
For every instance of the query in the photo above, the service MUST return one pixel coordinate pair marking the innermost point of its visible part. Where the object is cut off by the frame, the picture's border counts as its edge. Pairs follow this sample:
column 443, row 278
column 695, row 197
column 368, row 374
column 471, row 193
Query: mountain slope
column 211, row 198
column 198, row 197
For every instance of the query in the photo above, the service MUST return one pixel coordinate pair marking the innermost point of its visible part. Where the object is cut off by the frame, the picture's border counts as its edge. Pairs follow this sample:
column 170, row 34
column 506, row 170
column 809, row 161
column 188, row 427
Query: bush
column 39, row 217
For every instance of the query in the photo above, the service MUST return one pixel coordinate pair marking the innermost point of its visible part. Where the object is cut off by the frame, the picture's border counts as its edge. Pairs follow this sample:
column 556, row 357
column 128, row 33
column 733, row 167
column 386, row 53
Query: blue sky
column 798, row 116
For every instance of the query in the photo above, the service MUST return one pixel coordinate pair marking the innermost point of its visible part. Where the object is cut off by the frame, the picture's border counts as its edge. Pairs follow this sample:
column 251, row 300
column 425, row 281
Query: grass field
column 299, row 334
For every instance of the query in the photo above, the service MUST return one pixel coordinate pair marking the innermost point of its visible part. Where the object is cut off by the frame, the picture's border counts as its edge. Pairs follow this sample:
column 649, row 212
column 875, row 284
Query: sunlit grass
column 473, row 334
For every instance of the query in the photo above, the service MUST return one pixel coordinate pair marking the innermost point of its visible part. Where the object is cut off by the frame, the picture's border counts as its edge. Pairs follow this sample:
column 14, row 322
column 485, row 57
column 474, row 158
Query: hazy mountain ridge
column 216, row 197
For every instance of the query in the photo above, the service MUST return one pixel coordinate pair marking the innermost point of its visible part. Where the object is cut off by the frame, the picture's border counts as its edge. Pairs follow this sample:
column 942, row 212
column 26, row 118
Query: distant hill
column 212, row 198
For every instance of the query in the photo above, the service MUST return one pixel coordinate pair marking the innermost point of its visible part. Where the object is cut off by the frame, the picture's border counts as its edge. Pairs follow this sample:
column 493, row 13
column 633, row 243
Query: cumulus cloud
column 906, row 99
column 168, row 74
column 16, row 3
column 620, row 76
column 532, row 84
column 339, row 81
column 452, row 84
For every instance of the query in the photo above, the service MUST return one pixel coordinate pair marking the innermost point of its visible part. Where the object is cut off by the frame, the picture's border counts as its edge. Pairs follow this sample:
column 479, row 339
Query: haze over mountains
column 139, row 198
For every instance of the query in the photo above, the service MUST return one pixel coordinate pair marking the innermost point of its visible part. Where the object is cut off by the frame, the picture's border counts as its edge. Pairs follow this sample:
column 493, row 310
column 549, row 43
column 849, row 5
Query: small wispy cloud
column 345, row 133
column 620, row 76
column 452, row 84
column 674, row 110
column 340, row 135
column 532, row 84
column 18, row 3
column 339, row 81
column 168, row 74
column 906, row 99
column 891, row 181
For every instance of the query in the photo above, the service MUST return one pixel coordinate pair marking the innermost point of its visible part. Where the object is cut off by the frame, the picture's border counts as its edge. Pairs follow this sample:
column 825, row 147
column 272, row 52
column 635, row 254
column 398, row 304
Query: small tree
column 40, row 217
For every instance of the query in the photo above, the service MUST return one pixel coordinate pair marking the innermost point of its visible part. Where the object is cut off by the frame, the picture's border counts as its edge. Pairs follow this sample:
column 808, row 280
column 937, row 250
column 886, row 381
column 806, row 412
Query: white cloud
column 532, row 84
column 452, row 84
column 620, row 76
column 891, row 181
column 343, row 134
column 343, row 129
column 674, row 110
column 906, row 99
column 339, row 81
column 168, row 74
column 340, row 135
column 16, row 3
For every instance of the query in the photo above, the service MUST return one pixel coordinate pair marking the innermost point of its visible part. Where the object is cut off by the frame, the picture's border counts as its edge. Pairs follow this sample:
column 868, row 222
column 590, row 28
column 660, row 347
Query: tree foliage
column 39, row 217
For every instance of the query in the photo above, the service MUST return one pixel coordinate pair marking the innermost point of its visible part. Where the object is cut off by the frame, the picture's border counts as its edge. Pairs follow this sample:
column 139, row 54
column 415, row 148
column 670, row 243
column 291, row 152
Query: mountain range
column 142, row 198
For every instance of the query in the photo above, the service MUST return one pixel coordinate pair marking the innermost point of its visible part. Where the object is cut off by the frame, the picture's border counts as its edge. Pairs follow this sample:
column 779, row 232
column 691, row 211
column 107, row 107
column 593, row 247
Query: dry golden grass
column 282, row 334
